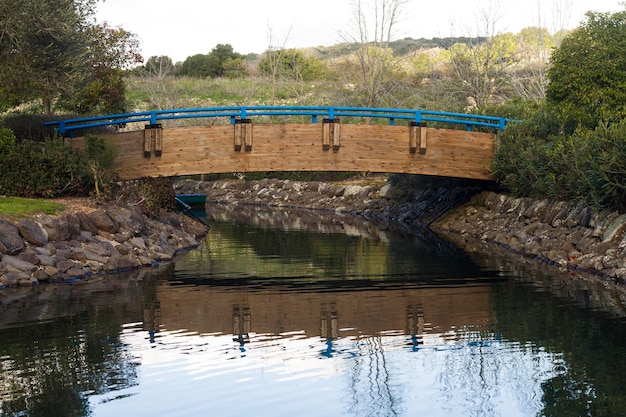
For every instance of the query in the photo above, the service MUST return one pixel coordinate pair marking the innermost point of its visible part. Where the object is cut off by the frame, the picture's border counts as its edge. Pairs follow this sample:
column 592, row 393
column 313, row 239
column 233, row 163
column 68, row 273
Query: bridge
column 279, row 138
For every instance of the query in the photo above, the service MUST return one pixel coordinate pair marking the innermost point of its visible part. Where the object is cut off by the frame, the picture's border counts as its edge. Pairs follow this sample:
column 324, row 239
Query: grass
column 16, row 208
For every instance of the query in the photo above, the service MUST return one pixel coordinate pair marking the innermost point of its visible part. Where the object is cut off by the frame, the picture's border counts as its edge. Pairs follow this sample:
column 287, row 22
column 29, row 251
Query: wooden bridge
column 267, row 138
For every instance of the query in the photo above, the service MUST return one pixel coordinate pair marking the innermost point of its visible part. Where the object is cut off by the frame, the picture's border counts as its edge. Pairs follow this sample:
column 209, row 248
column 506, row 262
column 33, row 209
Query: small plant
column 100, row 155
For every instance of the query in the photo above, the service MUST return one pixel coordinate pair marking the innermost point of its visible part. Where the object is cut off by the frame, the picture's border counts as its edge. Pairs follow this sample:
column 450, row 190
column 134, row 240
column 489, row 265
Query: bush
column 42, row 169
column 150, row 194
column 533, row 160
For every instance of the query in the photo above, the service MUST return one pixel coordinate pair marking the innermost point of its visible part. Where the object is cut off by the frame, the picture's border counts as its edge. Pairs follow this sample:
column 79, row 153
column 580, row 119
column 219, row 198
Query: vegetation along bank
column 562, row 167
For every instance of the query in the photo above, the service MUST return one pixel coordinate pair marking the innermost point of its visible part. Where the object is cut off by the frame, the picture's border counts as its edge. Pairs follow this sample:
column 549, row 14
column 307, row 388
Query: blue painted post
column 331, row 113
column 392, row 121
column 314, row 119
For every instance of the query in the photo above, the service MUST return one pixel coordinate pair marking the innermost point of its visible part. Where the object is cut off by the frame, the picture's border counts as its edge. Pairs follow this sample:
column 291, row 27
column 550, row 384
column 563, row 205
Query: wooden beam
column 296, row 147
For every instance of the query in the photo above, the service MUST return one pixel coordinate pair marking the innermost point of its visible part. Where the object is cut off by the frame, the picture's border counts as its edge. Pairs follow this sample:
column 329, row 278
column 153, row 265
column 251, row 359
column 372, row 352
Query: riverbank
column 566, row 235
column 89, row 240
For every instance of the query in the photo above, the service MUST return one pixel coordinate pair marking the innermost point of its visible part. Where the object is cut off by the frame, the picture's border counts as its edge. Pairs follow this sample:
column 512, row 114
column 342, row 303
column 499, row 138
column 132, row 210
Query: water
column 293, row 314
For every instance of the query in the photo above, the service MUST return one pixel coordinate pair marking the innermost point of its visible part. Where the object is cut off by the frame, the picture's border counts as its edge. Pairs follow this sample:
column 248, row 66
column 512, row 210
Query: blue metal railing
column 67, row 127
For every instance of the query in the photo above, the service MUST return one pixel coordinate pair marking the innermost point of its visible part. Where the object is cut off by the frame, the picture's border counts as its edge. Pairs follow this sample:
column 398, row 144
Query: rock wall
column 568, row 235
column 79, row 245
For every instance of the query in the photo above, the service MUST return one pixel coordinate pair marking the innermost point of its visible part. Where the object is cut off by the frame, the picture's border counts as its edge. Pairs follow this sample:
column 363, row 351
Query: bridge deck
column 248, row 147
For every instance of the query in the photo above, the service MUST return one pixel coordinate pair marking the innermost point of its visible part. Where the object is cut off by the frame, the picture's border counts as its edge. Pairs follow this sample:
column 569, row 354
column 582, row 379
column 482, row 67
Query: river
column 302, row 313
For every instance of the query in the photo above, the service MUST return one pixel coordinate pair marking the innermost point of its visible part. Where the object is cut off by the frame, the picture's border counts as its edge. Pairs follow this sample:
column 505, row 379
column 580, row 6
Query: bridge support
column 243, row 135
column 331, row 131
column 417, row 137
column 153, row 139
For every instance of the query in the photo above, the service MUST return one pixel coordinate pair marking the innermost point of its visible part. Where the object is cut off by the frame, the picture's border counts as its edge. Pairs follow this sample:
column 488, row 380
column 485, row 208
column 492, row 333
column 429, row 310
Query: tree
column 481, row 70
column 111, row 52
column 214, row 64
column 43, row 48
column 587, row 73
column 291, row 64
column 52, row 51
column 374, row 24
column 158, row 67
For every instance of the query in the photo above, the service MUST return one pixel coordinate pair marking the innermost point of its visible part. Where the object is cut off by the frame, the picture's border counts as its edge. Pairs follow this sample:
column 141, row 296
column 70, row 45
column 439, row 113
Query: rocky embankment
column 106, row 239
column 564, row 234
column 82, row 244
column 568, row 235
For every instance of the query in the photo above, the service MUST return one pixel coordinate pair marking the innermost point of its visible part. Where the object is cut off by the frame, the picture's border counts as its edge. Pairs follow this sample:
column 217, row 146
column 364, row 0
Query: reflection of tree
column 371, row 388
column 592, row 383
column 44, row 372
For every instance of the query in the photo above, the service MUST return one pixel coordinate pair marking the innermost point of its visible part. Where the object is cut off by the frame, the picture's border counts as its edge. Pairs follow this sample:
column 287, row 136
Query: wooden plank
column 296, row 147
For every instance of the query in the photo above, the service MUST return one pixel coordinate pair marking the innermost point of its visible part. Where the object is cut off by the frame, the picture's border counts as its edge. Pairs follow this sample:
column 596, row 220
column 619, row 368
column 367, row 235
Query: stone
column 57, row 229
column 118, row 263
column 615, row 230
column 103, row 221
column 46, row 260
column 18, row 264
column 10, row 240
column 32, row 232
column 28, row 257
column 86, row 224
column 138, row 242
column 41, row 275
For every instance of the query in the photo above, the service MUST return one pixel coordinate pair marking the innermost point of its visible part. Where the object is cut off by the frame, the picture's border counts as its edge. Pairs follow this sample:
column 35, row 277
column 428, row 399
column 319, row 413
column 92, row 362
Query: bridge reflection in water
column 265, row 298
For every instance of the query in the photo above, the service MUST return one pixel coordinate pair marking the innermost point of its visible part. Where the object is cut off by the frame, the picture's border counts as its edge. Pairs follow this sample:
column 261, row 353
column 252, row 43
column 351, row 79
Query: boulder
column 103, row 221
column 32, row 232
column 57, row 229
column 10, row 240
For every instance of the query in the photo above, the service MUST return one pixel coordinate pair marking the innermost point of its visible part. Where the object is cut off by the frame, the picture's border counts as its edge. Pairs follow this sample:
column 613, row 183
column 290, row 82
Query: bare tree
column 274, row 56
column 481, row 68
column 374, row 22
column 533, row 80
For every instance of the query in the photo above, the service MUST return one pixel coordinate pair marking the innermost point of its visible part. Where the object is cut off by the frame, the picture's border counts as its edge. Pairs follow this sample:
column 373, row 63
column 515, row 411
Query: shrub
column 42, row 169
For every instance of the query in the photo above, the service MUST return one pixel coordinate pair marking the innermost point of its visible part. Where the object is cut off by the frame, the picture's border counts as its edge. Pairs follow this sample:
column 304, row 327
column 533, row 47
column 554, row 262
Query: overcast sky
column 181, row 28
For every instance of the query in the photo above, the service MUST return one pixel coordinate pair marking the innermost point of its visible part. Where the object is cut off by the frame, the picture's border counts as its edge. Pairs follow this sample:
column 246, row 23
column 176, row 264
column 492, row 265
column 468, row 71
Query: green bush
column 534, row 160
column 42, row 169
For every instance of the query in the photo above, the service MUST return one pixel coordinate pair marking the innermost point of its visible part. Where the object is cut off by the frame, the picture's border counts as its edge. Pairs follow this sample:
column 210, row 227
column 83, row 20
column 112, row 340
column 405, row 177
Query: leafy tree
column 587, row 72
column 52, row 51
column 111, row 51
column 43, row 48
column 291, row 64
column 212, row 64
column 198, row 65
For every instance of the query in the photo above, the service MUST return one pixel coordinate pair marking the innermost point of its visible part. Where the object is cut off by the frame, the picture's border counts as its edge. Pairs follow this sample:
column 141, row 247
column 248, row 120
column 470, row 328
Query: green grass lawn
column 14, row 207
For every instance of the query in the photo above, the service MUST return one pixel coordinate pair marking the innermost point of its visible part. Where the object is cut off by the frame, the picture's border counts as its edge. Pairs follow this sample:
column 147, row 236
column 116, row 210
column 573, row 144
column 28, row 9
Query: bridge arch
column 254, row 139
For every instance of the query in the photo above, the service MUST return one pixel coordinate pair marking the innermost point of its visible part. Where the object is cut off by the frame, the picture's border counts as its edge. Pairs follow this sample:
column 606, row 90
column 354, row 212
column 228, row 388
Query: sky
column 181, row 28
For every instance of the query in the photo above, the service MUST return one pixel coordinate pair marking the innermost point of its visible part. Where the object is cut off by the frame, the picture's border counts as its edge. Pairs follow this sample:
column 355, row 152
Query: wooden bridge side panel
column 299, row 147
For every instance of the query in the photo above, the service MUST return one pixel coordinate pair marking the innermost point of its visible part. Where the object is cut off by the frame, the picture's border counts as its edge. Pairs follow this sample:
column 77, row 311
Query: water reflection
column 326, row 317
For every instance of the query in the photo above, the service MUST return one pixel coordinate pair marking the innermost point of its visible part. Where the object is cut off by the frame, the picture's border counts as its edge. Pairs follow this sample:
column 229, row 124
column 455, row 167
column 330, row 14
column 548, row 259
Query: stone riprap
column 568, row 235
column 79, row 245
